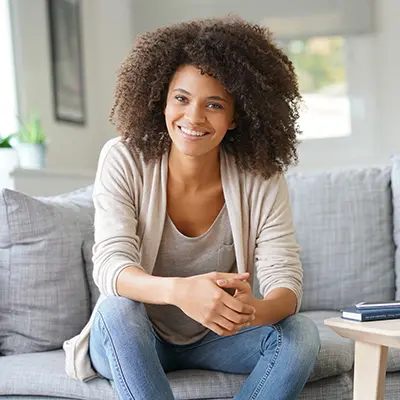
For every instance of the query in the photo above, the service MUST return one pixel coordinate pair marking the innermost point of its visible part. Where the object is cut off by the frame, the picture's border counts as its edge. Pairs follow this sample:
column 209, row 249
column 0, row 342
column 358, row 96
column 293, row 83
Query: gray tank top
column 184, row 256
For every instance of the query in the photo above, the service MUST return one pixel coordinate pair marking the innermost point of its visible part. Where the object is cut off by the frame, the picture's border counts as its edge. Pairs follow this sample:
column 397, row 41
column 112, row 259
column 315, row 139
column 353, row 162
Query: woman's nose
column 195, row 113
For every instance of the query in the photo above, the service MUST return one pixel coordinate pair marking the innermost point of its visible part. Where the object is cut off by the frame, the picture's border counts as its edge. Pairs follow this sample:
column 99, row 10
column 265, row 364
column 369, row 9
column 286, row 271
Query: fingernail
column 221, row 281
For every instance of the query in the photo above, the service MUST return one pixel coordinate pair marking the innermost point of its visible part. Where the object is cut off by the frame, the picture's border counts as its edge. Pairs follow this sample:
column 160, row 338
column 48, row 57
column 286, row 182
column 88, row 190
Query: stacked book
column 372, row 311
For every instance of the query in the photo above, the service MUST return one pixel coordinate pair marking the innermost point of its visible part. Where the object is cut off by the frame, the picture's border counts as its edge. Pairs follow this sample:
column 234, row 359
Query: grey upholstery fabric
column 336, row 358
column 396, row 217
column 343, row 222
column 337, row 353
column 44, row 298
column 87, row 257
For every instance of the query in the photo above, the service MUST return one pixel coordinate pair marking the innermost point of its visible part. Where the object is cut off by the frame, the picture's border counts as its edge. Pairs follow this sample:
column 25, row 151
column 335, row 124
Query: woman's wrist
column 174, row 291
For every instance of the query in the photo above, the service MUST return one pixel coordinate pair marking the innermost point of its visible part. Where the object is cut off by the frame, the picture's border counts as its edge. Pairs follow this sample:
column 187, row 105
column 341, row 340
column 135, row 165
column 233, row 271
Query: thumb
column 225, row 275
column 233, row 284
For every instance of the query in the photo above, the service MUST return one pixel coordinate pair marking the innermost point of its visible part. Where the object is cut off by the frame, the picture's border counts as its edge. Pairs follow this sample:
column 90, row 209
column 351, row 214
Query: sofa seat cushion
column 393, row 362
column 337, row 353
column 42, row 374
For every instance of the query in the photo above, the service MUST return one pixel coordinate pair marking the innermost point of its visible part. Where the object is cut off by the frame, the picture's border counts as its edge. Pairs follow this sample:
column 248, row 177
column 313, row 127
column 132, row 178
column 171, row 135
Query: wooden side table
column 372, row 340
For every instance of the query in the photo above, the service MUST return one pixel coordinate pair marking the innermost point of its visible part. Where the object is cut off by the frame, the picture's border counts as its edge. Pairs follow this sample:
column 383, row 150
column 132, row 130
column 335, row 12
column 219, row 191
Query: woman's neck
column 193, row 173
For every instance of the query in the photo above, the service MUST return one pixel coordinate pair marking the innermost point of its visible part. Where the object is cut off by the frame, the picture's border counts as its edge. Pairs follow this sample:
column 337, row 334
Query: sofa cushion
column 44, row 297
column 343, row 222
column 336, row 358
column 396, row 217
column 337, row 353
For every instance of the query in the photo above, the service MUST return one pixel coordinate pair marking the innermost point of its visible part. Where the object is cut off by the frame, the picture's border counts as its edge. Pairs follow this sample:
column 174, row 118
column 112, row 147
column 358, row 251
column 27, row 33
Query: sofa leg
column 369, row 371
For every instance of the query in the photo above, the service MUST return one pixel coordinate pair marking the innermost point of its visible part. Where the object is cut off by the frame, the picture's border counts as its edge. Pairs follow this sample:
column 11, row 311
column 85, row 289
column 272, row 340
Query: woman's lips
column 192, row 137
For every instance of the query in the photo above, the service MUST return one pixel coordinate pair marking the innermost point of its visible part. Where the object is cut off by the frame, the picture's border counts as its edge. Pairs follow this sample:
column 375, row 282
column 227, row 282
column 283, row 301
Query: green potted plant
column 31, row 146
column 8, row 155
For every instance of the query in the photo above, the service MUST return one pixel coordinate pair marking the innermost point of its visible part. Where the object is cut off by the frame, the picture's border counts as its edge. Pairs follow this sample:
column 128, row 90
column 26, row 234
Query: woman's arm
column 277, row 260
column 116, row 242
column 138, row 285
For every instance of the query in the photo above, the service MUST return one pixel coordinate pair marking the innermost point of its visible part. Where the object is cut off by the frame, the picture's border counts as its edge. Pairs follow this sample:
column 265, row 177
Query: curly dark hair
column 240, row 55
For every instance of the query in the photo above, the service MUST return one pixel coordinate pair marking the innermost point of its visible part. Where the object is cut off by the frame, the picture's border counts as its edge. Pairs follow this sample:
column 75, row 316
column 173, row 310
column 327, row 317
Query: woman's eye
column 216, row 106
column 180, row 98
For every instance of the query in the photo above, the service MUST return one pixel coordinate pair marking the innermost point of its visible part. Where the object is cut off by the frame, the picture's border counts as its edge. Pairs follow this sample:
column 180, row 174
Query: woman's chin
column 191, row 150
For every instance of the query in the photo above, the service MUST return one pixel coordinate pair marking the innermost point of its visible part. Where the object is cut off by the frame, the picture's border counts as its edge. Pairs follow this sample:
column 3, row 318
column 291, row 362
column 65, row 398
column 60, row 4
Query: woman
column 188, row 200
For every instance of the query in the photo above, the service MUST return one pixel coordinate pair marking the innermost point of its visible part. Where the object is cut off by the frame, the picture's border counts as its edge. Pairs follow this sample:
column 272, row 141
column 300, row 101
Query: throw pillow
column 343, row 222
column 396, row 217
column 44, row 295
column 87, row 256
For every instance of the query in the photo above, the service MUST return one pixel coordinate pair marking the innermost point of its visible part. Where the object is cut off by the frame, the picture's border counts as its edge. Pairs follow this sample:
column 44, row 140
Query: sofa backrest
column 344, row 225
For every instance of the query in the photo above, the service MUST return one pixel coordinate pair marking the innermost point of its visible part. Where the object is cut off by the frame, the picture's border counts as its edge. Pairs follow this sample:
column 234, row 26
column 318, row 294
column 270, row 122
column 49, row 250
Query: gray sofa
column 347, row 222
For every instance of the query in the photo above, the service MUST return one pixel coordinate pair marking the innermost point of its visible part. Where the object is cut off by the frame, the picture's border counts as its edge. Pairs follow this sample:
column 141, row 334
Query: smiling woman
column 191, row 204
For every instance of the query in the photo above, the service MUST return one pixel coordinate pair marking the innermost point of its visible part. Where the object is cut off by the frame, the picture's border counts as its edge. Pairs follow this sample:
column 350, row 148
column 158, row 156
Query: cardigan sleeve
column 116, row 241
column 277, row 259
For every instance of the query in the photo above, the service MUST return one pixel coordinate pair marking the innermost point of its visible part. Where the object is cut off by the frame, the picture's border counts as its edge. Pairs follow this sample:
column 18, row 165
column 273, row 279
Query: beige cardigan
column 130, row 207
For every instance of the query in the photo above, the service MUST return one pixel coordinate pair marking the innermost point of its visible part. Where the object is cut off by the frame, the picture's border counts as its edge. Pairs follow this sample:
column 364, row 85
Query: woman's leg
column 123, row 347
column 279, row 358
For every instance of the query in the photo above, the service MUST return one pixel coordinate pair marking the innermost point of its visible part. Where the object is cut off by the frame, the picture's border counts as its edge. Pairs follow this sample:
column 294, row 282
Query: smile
column 191, row 133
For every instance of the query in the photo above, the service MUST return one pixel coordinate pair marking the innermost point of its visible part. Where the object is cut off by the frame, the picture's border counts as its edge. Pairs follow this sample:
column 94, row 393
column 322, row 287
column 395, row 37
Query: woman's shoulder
column 119, row 155
column 116, row 149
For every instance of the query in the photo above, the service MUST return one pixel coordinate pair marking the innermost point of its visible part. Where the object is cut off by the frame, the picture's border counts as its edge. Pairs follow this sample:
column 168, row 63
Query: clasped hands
column 203, row 299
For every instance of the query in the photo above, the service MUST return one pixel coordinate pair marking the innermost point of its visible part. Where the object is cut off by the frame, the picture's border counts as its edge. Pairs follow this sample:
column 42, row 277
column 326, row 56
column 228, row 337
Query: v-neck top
column 183, row 256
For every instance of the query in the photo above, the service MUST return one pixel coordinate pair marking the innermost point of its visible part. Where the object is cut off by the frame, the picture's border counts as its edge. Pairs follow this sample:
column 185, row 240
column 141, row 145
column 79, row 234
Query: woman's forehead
column 190, row 79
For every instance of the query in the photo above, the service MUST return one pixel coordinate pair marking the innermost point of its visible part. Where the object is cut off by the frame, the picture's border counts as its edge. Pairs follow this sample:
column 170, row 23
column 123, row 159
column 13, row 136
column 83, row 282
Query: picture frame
column 66, row 60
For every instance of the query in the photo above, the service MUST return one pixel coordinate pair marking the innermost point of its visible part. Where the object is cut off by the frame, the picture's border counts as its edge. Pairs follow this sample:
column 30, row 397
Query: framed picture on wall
column 66, row 60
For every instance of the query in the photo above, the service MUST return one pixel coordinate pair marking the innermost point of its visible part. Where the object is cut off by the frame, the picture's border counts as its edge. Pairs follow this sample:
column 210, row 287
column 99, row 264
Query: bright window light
column 320, row 66
column 8, row 95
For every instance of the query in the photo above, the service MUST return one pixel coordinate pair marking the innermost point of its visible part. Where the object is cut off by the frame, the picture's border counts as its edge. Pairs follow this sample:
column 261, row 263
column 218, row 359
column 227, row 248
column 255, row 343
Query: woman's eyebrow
column 208, row 98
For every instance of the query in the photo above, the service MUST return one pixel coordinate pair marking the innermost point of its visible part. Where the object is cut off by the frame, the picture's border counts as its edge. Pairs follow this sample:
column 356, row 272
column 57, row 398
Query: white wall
column 107, row 37
column 387, row 54
column 109, row 28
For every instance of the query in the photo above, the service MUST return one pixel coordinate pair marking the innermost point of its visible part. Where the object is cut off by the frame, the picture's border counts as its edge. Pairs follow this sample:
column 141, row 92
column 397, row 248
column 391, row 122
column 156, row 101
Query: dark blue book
column 362, row 315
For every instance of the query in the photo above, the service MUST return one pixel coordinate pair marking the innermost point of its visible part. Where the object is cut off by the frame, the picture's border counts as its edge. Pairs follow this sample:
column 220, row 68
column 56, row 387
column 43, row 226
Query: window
column 320, row 66
column 8, row 95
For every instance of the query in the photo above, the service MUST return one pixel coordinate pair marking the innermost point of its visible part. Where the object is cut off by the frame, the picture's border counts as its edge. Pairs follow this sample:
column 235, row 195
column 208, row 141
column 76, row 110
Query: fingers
column 235, row 317
column 227, row 275
column 234, row 284
column 221, row 329
column 236, row 305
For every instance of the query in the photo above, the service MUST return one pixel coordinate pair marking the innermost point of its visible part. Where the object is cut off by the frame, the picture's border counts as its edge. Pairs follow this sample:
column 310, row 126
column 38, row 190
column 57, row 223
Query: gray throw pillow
column 87, row 256
column 343, row 221
column 396, row 217
column 44, row 295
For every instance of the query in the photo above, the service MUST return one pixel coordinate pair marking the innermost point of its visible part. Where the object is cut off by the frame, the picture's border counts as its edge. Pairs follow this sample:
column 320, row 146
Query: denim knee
column 119, row 310
column 303, row 336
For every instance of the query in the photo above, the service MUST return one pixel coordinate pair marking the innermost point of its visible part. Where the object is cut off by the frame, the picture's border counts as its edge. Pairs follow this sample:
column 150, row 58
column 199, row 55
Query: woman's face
column 198, row 113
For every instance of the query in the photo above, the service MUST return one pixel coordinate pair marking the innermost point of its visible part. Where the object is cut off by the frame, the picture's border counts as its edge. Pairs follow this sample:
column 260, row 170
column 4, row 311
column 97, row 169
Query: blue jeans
column 125, row 348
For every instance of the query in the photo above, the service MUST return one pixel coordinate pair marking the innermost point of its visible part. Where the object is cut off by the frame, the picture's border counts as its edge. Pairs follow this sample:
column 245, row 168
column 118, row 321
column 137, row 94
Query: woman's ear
column 232, row 125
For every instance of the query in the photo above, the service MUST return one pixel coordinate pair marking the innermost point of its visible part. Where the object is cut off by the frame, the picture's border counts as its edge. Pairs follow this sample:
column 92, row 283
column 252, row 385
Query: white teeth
column 192, row 133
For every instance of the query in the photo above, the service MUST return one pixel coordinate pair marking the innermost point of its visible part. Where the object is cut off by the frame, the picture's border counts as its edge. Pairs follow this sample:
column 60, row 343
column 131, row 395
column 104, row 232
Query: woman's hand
column 203, row 300
column 243, row 291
